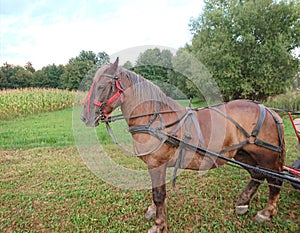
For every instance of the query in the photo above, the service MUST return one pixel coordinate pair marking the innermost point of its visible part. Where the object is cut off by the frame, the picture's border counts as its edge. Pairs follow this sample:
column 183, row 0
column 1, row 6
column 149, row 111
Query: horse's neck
column 136, row 103
column 146, row 110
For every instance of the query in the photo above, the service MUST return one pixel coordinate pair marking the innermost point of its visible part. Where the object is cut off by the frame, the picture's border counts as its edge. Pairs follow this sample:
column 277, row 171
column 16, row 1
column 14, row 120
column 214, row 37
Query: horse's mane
column 146, row 91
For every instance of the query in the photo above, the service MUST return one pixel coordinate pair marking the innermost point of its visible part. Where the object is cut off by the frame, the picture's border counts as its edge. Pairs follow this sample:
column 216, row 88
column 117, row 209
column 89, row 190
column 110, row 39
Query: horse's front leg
column 158, row 178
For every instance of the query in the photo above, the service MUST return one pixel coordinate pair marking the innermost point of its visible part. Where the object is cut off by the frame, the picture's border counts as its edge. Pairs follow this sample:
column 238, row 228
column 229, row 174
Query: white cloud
column 52, row 32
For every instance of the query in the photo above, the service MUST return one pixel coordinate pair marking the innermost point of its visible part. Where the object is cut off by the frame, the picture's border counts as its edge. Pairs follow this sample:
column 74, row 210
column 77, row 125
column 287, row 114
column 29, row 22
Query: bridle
column 108, row 99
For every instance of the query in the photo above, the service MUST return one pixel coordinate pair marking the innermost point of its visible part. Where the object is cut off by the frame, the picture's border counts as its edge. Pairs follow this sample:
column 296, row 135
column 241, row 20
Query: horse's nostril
column 83, row 118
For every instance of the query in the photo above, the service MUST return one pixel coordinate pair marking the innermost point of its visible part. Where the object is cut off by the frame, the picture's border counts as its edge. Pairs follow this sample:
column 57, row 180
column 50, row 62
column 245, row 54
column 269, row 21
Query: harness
column 252, row 137
column 184, row 143
column 108, row 100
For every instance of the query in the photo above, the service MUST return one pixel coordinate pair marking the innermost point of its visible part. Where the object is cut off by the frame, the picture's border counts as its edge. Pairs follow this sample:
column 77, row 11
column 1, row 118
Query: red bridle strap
column 112, row 99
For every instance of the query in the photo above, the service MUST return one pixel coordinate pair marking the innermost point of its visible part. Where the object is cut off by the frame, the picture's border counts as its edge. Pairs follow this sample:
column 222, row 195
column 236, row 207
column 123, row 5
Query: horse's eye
column 101, row 87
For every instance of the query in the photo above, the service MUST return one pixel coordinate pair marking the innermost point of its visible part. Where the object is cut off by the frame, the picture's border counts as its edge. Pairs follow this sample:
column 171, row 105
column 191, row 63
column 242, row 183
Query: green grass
column 46, row 187
column 42, row 130
column 51, row 190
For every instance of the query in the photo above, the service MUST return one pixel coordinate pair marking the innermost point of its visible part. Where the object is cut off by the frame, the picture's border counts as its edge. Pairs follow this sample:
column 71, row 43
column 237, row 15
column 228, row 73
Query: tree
column 102, row 58
column 29, row 67
column 84, row 56
column 128, row 65
column 90, row 57
column 40, row 79
column 247, row 45
column 15, row 77
column 21, row 78
column 3, row 80
column 53, row 74
column 73, row 74
column 85, row 64
column 7, row 70
column 156, row 65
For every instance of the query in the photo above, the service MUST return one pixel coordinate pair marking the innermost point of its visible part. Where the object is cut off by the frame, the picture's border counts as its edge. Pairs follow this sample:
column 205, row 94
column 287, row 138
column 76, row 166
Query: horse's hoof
column 151, row 212
column 261, row 218
column 153, row 229
column 241, row 209
column 150, row 215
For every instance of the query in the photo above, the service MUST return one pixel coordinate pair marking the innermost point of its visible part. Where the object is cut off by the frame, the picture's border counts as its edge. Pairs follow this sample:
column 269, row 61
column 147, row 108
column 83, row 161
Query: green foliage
column 247, row 45
column 14, row 76
column 159, row 66
column 290, row 101
column 156, row 65
column 194, row 78
column 74, row 73
column 52, row 76
column 85, row 64
column 179, row 76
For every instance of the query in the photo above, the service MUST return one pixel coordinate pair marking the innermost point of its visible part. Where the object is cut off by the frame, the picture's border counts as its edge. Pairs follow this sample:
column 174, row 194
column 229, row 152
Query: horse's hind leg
column 242, row 204
column 271, row 208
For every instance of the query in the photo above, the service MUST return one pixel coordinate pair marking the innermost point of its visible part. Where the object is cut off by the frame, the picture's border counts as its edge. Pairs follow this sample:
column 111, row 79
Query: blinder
column 110, row 99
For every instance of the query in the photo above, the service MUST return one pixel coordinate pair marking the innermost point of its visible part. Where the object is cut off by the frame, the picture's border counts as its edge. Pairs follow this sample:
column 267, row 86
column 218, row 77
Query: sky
column 44, row 32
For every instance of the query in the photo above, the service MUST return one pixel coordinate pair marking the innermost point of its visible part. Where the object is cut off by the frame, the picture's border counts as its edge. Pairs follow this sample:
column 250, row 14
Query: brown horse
column 241, row 129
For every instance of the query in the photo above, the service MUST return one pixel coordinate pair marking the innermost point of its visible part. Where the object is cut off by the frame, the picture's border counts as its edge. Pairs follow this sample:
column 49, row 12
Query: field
column 46, row 187
column 29, row 101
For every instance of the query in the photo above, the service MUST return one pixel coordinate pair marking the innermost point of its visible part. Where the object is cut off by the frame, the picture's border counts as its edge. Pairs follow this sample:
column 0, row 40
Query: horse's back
column 236, row 122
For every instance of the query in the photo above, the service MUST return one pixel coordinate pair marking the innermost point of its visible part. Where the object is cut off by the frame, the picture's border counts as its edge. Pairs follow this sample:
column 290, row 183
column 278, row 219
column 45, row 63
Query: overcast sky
column 50, row 31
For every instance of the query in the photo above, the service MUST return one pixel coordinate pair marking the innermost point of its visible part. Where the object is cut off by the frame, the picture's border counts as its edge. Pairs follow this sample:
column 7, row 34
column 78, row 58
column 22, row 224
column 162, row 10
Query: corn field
column 29, row 101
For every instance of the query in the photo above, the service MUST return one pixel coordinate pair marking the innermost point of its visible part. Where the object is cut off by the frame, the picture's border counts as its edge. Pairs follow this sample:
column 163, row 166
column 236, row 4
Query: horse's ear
column 116, row 64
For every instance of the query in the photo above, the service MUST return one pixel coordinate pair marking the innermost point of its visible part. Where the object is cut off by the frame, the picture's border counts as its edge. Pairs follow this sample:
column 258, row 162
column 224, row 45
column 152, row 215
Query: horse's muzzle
column 88, row 122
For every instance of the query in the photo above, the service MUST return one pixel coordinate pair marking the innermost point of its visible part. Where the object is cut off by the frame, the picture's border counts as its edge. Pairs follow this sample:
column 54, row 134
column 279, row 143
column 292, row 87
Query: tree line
column 246, row 46
column 66, row 76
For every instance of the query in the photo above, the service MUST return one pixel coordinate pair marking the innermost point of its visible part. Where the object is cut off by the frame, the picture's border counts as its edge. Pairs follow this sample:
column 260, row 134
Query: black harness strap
column 255, row 131
column 234, row 147
column 278, row 124
column 232, row 120
column 180, row 160
column 267, row 145
column 262, row 115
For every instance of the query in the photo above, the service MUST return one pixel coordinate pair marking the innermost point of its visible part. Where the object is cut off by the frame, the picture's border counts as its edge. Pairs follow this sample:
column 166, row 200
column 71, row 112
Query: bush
column 289, row 101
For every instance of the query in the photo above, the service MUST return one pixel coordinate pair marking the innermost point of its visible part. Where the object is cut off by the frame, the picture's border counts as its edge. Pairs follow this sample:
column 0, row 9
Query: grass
column 41, row 130
column 51, row 190
column 46, row 187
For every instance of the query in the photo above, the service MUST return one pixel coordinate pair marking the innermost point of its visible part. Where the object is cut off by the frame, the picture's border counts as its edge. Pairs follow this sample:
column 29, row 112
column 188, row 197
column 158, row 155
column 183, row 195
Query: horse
column 161, row 128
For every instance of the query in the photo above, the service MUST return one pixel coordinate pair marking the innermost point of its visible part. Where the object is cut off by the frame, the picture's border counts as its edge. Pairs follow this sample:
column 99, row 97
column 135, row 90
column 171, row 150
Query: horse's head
column 105, row 95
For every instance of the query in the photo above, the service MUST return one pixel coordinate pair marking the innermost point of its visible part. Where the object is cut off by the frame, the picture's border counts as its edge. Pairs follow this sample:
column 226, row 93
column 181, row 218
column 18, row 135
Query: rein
column 170, row 139
column 156, row 132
